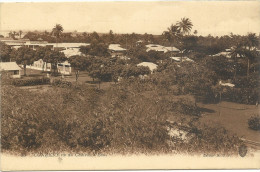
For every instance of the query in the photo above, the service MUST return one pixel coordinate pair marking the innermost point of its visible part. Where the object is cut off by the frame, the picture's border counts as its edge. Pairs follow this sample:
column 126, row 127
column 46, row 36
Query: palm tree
column 236, row 51
column 172, row 34
column 185, row 25
column 251, row 42
column 57, row 31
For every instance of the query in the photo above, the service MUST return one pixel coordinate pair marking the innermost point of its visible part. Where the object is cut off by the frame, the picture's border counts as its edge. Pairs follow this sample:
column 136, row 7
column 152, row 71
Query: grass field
column 233, row 117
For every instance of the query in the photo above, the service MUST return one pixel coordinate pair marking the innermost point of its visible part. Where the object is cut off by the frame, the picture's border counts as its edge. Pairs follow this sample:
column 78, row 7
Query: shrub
column 213, row 140
column 186, row 107
column 31, row 81
column 254, row 122
column 242, row 95
column 120, row 119
column 61, row 83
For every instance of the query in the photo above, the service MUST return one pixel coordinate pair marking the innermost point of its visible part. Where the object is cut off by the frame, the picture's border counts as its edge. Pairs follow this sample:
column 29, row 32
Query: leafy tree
column 5, row 51
column 111, row 37
column 222, row 66
column 11, row 35
column 79, row 63
column 57, row 31
column 95, row 49
column 24, row 56
column 189, row 43
column 31, row 36
column 40, row 53
column 54, row 57
column 94, row 37
column 135, row 71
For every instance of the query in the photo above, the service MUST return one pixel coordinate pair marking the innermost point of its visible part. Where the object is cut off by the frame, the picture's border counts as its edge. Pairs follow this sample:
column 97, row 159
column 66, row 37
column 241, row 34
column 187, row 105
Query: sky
column 215, row 18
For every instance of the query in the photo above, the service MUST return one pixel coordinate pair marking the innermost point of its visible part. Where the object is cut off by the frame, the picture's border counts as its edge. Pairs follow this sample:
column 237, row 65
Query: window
column 16, row 72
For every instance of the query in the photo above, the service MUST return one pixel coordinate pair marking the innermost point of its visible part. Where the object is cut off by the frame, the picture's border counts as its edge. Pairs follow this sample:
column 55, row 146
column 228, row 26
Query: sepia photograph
column 127, row 85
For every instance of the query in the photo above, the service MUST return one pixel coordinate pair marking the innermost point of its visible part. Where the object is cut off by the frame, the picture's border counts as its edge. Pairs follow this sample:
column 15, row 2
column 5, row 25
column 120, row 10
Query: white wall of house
column 63, row 68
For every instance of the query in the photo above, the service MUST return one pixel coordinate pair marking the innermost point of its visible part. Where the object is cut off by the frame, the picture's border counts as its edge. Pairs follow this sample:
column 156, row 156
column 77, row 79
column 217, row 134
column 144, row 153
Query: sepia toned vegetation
column 130, row 117
column 140, row 111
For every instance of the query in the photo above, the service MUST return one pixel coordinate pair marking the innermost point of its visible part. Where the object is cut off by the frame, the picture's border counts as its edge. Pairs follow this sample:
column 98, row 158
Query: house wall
column 64, row 69
column 43, row 66
column 14, row 73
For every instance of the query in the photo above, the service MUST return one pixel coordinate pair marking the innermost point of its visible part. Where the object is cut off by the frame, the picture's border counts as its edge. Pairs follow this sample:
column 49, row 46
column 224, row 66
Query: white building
column 116, row 50
column 63, row 68
column 11, row 68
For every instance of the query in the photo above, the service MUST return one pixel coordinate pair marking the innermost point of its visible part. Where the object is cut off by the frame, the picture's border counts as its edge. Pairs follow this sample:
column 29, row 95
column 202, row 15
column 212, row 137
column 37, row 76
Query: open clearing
column 232, row 116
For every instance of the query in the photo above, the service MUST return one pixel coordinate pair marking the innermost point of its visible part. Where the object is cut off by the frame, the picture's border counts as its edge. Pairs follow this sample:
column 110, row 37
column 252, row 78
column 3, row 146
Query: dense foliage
column 136, row 114
column 254, row 123
column 31, row 81
column 129, row 117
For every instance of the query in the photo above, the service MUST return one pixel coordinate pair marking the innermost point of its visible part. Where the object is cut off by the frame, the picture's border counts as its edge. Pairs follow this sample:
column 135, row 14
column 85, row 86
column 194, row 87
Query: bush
column 60, row 83
column 214, row 140
column 83, row 119
column 31, row 81
column 242, row 95
column 186, row 107
column 254, row 122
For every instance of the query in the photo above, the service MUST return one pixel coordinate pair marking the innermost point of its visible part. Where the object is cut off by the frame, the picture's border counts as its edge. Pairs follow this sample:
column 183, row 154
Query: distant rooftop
column 116, row 47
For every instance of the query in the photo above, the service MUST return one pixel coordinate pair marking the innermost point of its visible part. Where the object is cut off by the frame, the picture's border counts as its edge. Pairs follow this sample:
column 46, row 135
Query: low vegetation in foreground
column 254, row 122
column 129, row 117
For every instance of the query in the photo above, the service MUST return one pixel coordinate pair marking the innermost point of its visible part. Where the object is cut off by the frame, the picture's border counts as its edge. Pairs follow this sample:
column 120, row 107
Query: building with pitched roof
column 11, row 68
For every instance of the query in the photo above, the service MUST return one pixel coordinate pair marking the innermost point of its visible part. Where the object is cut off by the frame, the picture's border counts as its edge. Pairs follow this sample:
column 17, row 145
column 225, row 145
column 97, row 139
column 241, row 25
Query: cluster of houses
column 69, row 49
column 72, row 49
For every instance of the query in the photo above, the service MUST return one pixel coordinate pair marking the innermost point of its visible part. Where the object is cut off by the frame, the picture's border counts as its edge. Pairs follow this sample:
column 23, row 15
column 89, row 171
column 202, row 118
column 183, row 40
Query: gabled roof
column 116, row 47
column 8, row 66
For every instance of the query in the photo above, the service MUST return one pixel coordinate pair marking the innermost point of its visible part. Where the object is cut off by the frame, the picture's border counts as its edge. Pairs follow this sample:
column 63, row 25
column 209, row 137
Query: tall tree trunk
column 43, row 66
column 248, row 66
column 77, row 75
column 235, row 73
column 24, row 69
